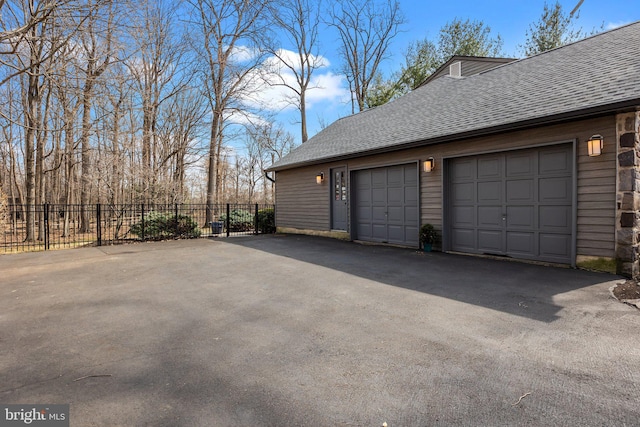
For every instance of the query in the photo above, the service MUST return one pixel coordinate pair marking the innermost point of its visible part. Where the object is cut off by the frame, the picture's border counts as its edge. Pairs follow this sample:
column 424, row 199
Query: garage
column 517, row 204
column 386, row 205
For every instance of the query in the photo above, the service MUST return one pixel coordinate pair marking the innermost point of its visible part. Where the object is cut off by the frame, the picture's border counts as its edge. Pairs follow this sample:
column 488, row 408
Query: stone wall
column 628, row 197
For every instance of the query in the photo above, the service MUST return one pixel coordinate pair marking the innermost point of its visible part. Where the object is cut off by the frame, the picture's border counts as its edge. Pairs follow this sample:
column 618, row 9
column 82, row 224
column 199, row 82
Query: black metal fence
column 69, row 226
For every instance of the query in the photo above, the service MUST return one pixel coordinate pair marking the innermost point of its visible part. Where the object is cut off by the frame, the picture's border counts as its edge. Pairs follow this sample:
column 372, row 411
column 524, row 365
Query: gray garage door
column 517, row 204
column 386, row 205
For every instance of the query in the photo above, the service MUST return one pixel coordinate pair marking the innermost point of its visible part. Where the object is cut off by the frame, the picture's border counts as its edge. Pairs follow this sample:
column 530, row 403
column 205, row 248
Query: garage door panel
column 489, row 216
column 379, row 213
column 363, row 195
column 396, row 234
column 464, row 216
column 379, row 232
column 463, row 239
column 378, row 178
column 520, row 190
column 395, row 196
column 411, row 235
column 395, row 177
column 521, row 243
column 555, row 218
column 490, row 241
column 464, row 193
column 490, row 168
column 379, row 196
column 411, row 176
column 521, row 217
column 555, row 247
column 555, row 161
column 395, row 214
column 518, row 165
column 411, row 214
column 555, row 189
column 364, row 213
column 411, row 195
column 364, row 179
column 364, row 231
column 490, row 192
column 463, row 170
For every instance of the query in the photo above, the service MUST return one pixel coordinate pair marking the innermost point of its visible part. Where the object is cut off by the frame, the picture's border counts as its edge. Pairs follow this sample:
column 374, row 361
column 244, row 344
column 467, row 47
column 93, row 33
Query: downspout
column 266, row 175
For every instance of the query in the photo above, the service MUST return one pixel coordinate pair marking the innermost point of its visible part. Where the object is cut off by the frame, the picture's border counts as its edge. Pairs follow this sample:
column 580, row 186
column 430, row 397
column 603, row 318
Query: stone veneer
column 628, row 197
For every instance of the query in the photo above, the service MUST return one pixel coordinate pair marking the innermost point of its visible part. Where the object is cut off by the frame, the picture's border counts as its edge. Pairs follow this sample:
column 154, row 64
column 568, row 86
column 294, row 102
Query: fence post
column 46, row 226
column 142, row 220
column 228, row 219
column 255, row 221
column 176, row 218
column 99, row 224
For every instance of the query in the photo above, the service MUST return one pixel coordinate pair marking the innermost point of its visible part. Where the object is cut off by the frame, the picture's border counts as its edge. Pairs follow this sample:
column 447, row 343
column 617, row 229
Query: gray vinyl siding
column 303, row 204
column 300, row 202
column 470, row 66
column 597, row 195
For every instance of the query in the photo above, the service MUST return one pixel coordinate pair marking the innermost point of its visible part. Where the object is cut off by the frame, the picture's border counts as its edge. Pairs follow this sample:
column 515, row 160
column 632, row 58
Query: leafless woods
column 112, row 101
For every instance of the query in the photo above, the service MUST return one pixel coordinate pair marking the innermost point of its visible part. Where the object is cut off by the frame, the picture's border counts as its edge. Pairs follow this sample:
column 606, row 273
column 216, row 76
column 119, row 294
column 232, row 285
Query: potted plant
column 428, row 237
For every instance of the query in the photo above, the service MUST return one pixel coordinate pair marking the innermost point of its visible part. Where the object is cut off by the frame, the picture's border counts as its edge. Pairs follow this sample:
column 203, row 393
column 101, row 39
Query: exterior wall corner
column 628, row 194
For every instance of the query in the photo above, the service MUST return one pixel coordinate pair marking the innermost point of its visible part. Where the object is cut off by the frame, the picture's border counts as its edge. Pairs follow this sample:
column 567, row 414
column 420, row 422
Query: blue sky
column 508, row 18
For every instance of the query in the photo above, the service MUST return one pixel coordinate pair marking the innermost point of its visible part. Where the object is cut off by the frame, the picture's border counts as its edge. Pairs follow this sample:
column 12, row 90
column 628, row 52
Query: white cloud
column 274, row 95
column 244, row 118
column 243, row 54
column 614, row 25
column 292, row 58
column 328, row 86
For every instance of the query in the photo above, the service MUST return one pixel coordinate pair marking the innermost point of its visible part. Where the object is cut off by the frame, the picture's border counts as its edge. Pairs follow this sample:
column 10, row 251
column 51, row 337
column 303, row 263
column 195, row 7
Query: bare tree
column 299, row 21
column 158, row 76
column 67, row 92
column 97, row 38
column 230, row 32
column 181, row 127
column 366, row 29
column 32, row 60
column 266, row 143
column 21, row 19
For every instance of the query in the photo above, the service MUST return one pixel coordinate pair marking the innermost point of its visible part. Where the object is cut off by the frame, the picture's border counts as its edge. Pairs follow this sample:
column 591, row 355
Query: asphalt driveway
column 303, row 331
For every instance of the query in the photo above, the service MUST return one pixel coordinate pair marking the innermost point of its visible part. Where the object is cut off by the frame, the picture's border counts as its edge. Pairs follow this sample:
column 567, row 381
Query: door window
column 340, row 190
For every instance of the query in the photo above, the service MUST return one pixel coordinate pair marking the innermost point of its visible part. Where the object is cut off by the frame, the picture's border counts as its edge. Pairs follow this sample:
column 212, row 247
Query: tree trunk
column 85, row 180
column 303, row 116
column 33, row 98
column 214, row 157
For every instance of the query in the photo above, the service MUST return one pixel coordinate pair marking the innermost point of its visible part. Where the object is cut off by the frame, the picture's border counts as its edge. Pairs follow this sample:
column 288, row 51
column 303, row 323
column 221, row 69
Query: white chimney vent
column 455, row 69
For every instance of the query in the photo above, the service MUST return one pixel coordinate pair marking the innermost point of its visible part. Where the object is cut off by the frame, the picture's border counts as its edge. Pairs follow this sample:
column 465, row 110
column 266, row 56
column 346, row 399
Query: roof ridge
column 560, row 47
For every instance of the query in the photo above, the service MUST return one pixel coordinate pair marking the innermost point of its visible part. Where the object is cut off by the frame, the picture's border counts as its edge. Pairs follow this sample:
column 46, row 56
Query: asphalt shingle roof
column 591, row 75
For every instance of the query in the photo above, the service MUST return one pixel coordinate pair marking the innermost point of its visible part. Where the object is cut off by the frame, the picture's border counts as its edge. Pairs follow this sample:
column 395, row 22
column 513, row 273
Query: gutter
column 620, row 107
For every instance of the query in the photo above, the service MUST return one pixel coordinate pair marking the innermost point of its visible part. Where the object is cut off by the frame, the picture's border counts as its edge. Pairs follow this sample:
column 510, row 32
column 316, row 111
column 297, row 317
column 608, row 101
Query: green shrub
column 266, row 221
column 158, row 225
column 428, row 234
column 239, row 220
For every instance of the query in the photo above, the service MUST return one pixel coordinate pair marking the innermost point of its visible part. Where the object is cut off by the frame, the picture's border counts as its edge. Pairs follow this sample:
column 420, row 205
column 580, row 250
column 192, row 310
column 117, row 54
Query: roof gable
column 593, row 76
column 470, row 65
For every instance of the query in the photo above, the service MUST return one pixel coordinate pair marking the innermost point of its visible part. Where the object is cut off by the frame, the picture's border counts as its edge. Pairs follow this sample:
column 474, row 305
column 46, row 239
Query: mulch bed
column 629, row 290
